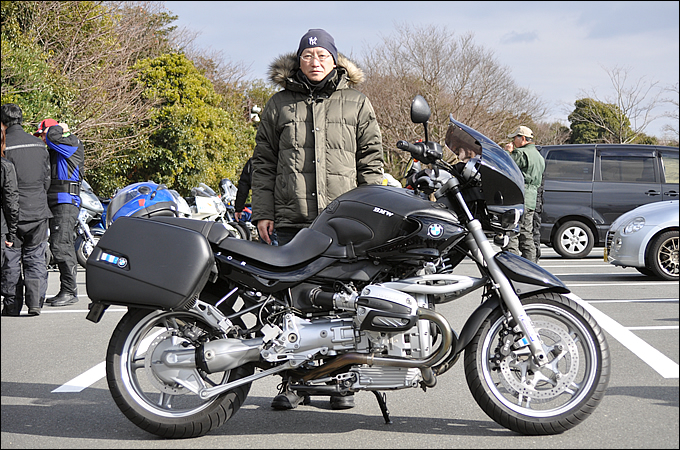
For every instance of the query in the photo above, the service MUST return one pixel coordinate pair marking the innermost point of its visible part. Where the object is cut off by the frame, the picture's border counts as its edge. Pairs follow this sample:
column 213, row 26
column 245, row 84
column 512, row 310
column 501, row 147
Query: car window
column 570, row 164
column 671, row 167
column 623, row 168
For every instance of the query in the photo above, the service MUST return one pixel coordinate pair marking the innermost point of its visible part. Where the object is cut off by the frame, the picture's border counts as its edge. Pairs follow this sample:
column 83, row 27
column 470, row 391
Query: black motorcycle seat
column 307, row 244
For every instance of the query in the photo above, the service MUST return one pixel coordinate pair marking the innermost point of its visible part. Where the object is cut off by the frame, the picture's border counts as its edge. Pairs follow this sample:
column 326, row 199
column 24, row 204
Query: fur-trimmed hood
column 282, row 71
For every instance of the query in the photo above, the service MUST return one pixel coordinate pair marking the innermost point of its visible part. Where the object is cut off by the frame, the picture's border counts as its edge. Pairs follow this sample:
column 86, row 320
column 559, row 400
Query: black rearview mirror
column 420, row 110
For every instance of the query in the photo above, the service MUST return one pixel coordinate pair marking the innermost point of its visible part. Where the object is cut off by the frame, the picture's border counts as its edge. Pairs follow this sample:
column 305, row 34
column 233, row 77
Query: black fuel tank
column 371, row 218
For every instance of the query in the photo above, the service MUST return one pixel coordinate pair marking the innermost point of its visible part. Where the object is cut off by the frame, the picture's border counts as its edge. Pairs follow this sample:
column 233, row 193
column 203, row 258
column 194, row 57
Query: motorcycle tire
column 83, row 249
column 551, row 399
column 243, row 230
column 142, row 386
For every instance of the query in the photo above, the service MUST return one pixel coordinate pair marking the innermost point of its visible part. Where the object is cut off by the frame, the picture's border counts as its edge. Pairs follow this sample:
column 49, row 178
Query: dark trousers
column 27, row 257
column 62, row 245
column 285, row 235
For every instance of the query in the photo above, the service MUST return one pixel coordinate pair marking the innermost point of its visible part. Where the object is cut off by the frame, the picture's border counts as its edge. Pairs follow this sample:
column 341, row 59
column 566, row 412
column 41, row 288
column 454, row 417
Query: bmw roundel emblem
column 435, row 230
column 122, row 262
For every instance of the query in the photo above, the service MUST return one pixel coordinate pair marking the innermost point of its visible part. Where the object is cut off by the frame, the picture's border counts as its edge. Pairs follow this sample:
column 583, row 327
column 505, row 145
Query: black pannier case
column 141, row 262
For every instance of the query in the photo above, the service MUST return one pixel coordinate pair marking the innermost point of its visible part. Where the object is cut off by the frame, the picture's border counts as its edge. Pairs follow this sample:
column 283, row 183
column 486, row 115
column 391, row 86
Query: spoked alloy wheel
column 664, row 256
column 146, row 390
column 547, row 400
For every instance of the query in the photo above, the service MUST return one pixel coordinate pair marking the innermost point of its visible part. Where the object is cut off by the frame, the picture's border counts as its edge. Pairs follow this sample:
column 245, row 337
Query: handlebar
column 425, row 152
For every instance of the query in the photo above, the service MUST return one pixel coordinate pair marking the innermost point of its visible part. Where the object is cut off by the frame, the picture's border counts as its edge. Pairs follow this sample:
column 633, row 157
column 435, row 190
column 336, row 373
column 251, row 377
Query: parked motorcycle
column 90, row 224
column 205, row 204
column 229, row 192
column 349, row 304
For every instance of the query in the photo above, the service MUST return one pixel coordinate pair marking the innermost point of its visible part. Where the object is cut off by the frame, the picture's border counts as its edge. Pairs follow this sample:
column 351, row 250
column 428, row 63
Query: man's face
column 316, row 63
column 519, row 141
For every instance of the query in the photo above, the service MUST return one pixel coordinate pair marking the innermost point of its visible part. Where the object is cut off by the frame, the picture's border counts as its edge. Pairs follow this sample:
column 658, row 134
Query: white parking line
column 666, row 367
column 84, row 380
column 98, row 372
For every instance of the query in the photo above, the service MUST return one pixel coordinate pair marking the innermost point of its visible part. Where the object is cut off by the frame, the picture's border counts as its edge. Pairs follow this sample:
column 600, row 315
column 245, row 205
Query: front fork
column 507, row 293
column 501, row 282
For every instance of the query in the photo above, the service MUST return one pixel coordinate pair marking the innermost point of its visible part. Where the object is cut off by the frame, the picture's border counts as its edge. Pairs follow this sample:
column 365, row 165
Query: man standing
column 244, row 183
column 66, row 166
column 531, row 164
column 32, row 164
column 317, row 139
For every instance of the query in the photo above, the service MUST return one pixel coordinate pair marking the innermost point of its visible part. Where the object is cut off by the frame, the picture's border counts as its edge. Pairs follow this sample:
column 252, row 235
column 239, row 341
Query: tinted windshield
column 502, row 181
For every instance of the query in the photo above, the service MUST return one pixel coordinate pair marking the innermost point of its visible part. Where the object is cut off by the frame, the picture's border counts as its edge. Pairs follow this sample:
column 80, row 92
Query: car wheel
column 663, row 256
column 573, row 239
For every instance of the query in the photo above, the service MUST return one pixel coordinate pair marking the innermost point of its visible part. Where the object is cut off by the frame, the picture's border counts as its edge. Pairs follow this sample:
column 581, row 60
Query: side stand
column 382, row 401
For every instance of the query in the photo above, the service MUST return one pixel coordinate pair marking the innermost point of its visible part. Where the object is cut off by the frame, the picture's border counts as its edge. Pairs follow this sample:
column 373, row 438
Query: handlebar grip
column 411, row 148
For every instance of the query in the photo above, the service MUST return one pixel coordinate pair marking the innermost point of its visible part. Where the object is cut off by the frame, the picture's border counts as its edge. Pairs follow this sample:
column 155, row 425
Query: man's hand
column 509, row 148
column 265, row 228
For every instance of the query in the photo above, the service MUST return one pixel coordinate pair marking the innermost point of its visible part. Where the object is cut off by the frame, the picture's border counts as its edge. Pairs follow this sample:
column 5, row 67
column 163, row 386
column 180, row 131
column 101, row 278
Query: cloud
column 515, row 38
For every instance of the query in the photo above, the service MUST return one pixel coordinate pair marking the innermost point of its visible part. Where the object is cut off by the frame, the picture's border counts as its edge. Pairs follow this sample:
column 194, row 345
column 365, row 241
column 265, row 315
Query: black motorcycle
column 349, row 304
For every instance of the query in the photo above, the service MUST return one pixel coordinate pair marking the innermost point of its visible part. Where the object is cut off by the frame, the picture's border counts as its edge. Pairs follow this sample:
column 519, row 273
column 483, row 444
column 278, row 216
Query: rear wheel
column 147, row 391
column 573, row 239
column 663, row 256
column 526, row 398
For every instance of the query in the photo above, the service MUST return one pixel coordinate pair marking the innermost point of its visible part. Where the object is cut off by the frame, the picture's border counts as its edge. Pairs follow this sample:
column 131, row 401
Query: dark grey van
column 587, row 186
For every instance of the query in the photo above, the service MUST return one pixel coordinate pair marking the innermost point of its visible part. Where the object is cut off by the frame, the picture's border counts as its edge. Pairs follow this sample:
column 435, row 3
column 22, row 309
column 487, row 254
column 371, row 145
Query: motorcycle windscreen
column 502, row 181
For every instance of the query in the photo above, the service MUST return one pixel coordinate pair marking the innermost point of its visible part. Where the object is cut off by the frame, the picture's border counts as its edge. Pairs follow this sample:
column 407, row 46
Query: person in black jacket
column 32, row 163
column 10, row 202
column 67, row 158
column 244, row 183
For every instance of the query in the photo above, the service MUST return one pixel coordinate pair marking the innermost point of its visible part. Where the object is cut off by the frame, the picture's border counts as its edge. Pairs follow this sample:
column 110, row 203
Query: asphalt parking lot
column 54, row 394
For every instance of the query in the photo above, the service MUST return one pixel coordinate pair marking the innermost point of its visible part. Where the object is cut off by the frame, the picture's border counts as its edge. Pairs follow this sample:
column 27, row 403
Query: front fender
column 528, row 278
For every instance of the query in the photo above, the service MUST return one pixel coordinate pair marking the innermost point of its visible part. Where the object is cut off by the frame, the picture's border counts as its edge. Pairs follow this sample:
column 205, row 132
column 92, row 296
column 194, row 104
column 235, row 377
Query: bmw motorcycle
column 349, row 304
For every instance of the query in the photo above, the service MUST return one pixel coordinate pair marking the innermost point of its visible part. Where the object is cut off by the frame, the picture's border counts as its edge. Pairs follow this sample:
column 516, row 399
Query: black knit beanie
column 318, row 38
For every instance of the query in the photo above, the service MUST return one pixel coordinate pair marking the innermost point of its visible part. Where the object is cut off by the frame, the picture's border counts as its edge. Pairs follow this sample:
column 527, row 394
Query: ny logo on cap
column 312, row 41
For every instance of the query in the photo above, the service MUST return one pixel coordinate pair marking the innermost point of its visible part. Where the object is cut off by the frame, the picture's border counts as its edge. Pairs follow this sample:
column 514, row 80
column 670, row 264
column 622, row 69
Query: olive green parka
column 312, row 146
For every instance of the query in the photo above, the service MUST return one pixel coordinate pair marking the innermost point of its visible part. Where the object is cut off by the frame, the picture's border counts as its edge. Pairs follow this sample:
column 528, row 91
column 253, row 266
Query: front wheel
column 84, row 248
column 148, row 392
column 534, row 400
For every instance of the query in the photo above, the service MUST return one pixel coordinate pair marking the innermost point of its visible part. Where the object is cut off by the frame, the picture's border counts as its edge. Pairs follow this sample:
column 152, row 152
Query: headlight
column 633, row 226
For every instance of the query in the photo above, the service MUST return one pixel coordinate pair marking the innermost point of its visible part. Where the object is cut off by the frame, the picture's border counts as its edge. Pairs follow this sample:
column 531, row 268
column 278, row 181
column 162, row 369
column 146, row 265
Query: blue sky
column 555, row 49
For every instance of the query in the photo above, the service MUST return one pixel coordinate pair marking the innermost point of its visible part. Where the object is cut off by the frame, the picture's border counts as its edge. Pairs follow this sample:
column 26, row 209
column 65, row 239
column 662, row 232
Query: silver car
column 646, row 238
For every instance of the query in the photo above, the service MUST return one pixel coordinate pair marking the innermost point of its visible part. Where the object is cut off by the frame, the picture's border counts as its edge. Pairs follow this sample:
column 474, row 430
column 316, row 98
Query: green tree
column 593, row 121
column 194, row 140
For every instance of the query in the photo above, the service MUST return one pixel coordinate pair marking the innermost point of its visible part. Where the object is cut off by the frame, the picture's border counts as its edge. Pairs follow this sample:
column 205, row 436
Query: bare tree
column 94, row 46
column 671, row 130
column 634, row 104
column 453, row 74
